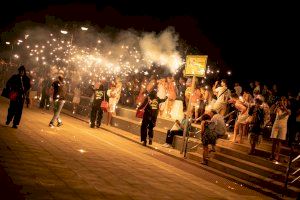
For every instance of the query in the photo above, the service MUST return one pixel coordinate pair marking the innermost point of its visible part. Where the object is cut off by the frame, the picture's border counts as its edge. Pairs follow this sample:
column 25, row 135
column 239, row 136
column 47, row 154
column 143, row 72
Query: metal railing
column 288, row 171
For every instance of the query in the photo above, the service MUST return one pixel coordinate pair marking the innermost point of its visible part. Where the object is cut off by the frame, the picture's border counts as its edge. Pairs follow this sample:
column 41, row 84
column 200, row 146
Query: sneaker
column 145, row 143
column 92, row 126
column 59, row 124
column 14, row 126
column 51, row 125
column 7, row 123
column 98, row 125
column 150, row 141
column 166, row 145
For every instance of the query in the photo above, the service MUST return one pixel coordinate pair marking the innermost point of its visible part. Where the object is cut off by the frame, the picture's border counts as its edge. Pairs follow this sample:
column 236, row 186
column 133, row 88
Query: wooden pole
column 188, row 116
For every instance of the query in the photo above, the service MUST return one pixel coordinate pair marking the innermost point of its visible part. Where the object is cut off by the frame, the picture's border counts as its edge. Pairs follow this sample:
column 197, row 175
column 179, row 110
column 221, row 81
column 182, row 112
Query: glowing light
column 229, row 72
column 16, row 56
column 82, row 151
column 84, row 28
column 7, row 43
column 64, row 32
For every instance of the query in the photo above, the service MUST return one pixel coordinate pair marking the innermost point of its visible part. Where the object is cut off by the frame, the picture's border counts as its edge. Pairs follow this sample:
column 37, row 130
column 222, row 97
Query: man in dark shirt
column 59, row 93
column 18, row 86
column 97, row 112
column 151, row 105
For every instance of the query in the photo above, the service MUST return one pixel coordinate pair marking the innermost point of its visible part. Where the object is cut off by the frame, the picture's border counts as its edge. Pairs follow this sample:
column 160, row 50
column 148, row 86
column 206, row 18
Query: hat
column 22, row 68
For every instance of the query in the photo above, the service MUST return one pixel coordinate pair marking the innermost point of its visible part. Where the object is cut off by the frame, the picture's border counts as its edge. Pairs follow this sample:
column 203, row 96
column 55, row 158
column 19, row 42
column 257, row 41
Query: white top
column 161, row 91
column 222, row 95
column 238, row 90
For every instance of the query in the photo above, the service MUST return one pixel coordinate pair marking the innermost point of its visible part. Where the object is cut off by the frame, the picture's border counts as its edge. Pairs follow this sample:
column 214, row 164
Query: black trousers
column 45, row 101
column 147, row 128
column 171, row 134
column 96, row 114
column 15, row 111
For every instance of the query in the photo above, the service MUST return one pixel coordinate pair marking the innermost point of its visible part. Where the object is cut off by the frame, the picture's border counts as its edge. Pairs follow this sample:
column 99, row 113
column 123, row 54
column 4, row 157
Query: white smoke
column 161, row 49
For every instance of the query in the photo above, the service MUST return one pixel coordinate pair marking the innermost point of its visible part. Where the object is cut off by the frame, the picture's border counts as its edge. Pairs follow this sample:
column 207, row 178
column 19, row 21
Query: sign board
column 195, row 65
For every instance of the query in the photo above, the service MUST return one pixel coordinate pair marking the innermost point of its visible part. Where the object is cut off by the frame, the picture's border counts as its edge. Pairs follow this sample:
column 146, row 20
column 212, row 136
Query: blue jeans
column 58, row 105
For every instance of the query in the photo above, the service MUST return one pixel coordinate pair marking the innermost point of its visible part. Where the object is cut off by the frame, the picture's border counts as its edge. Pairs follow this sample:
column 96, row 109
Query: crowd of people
column 251, row 109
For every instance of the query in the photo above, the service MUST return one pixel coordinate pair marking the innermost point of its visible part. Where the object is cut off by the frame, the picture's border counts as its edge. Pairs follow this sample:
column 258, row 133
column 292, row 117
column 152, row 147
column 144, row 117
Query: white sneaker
column 166, row 145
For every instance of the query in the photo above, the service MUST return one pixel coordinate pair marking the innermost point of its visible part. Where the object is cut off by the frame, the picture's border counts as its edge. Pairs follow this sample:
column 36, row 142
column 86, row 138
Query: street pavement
column 77, row 162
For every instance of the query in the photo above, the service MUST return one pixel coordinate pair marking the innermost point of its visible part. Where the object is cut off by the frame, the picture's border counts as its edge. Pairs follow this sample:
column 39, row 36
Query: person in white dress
column 76, row 97
column 162, row 87
column 114, row 94
column 279, row 129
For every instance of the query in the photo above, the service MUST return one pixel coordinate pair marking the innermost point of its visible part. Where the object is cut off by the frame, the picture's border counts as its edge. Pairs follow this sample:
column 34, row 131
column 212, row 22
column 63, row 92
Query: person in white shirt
column 222, row 93
column 238, row 89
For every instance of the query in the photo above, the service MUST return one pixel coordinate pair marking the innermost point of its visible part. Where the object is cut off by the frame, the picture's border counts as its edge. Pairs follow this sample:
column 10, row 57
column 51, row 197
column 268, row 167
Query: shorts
column 279, row 132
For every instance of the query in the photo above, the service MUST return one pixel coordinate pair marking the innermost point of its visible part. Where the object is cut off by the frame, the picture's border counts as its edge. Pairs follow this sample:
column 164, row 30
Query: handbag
column 104, row 105
column 5, row 93
column 13, row 95
column 140, row 112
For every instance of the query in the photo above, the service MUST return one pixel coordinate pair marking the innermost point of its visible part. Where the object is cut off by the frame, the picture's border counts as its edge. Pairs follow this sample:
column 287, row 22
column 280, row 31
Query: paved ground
column 77, row 162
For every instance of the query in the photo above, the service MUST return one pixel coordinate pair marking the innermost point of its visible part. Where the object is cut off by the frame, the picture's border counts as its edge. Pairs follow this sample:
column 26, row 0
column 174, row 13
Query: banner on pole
column 195, row 65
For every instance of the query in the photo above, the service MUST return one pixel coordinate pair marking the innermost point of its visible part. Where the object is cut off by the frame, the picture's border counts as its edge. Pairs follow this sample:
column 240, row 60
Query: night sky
column 254, row 40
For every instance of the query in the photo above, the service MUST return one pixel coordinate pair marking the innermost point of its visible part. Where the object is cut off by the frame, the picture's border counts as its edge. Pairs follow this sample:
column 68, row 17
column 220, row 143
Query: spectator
column 208, row 136
column 222, row 94
column 171, row 93
column 238, row 89
column 257, row 88
column 256, row 120
column 195, row 102
column 177, row 129
column 45, row 97
column 76, row 97
column 240, row 124
column 162, row 93
column 181, row 91
column 220, row 126
column 279, row 129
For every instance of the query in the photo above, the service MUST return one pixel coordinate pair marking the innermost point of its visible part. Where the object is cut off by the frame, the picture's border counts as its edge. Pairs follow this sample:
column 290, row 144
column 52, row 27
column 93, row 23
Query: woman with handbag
column 18, row 86
column 97, row 112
